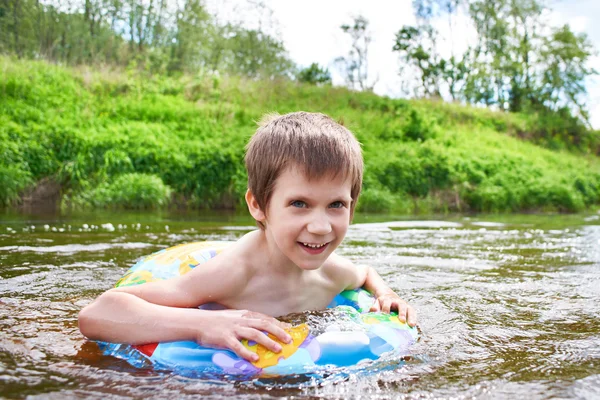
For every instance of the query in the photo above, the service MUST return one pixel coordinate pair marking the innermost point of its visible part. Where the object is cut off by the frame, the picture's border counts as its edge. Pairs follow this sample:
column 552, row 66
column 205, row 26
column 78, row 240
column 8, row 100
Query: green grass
column 119, row 139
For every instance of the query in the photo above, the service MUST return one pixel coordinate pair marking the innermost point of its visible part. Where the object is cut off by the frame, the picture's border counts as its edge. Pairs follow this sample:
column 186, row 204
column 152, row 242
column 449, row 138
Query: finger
column 402, row 309
column 283, row 325
column 386, row 307
column 257, row 315
column 238, row 348
column 260, row 338
column 376, row 306
column 254, row 315
column 271, row 327
column 411, row 316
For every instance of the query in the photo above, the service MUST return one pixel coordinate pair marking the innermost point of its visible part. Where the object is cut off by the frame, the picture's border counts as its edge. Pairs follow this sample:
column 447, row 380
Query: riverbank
column 91, row 138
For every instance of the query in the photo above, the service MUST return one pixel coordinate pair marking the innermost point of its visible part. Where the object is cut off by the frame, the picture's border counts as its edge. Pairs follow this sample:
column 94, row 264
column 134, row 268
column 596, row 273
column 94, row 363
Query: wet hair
column 313, row 142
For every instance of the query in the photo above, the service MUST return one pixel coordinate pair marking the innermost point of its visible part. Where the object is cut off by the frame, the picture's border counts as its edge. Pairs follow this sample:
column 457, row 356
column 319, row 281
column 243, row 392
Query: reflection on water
column 508, row 307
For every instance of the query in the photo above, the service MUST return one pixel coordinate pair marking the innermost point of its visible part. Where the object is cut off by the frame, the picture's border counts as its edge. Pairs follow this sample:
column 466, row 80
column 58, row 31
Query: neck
column 273, row 260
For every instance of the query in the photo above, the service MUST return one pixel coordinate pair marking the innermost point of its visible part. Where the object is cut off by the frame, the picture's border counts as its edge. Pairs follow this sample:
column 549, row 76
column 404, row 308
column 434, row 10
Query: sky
column 310, row 31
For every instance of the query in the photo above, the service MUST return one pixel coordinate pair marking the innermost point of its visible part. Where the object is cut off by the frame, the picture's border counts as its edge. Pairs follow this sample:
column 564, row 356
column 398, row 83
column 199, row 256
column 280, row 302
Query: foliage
column 565, row 55
column 314, row 75
column 165, row 95
column 355, row 65
column 153, row 35
column 131, row 191
column 13, row 180
column 417, row 50
column 518, row 63
column 128, row 139
column 376, row 200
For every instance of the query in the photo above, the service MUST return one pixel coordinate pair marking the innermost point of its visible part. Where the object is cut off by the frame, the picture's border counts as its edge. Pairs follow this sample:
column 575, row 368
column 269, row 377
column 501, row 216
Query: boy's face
column 308, row 219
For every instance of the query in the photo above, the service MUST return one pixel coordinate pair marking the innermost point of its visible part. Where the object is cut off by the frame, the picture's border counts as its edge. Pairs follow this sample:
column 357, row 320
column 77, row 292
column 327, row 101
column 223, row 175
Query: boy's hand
column 391, row 301
column 226, row 328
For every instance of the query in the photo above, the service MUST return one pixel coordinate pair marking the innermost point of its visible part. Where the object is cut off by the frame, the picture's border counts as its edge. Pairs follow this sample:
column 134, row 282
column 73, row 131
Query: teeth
column 314, row 246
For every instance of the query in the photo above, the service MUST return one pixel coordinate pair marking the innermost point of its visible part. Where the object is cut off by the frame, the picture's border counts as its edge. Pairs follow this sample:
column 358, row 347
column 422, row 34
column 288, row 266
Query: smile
column 314, row 246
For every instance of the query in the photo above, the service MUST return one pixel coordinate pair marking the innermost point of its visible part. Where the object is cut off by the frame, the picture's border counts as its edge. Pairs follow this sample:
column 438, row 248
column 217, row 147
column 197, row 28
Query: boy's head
column 312, row 142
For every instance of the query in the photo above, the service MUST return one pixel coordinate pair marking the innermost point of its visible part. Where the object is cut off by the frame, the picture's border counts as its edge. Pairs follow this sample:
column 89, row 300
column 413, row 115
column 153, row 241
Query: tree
column 315, row 75
column 514, row 65
column 158, row 35
column 255, row 54
column 416, row 47
column 565, row 56
column 355, row 65
column 192, row 29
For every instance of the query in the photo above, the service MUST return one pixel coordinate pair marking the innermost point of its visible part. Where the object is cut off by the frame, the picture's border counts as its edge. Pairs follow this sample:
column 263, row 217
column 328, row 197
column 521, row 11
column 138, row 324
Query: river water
column 508, row 306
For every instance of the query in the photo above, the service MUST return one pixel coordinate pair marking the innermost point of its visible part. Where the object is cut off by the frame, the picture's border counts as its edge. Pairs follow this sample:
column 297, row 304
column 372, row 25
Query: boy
column 304, row 178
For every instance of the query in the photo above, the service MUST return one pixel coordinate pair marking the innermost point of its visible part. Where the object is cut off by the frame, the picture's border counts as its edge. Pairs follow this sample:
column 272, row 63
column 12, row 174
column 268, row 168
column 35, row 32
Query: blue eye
column 298, row 204
column 337, row 204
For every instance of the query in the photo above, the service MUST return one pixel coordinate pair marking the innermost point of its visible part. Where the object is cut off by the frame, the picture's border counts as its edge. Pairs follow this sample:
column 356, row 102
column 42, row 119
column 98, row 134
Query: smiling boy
column 304, row 178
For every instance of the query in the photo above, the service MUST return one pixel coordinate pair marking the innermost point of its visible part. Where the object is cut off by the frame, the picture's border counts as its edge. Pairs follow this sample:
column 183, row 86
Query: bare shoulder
column 218, row 278
column 336, row 263
column 343, row 271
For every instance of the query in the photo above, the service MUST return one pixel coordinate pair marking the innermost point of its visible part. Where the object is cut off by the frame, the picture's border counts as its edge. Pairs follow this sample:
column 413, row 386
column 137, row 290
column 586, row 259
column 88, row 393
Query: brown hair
column 312, row 141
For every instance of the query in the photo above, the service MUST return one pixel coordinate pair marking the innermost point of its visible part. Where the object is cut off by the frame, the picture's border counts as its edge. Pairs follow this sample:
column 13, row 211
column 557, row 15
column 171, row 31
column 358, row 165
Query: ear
column 253, row 207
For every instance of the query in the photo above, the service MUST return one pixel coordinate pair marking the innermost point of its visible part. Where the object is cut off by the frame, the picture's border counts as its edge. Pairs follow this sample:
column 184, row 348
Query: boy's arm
column 365, row 276
column 386, row 299
column 158, row 312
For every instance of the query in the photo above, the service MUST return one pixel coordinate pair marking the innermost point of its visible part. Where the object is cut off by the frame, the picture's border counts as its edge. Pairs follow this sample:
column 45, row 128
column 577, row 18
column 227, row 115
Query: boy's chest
column 275, row 298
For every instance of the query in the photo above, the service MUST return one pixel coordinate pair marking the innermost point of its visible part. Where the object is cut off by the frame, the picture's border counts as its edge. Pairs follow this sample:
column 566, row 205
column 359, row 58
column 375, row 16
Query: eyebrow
column 308, row 199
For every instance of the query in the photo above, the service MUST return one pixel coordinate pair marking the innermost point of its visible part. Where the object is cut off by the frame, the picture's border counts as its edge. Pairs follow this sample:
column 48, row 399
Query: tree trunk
column 16, row 21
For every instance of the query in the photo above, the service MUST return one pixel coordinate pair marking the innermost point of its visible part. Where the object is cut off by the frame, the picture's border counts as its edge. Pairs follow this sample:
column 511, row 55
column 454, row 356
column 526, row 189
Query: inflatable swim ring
column 377, row 334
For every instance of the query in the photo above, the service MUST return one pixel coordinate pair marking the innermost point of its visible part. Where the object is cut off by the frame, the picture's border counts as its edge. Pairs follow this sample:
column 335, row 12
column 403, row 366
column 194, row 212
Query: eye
column 337, row 204
column 298, row 204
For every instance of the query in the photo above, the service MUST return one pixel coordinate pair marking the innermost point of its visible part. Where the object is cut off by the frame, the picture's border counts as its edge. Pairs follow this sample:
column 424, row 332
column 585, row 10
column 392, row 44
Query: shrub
column 314, row 75
column 13, row 180
column 375, row 200
column 419, row 127
column 416, row 170
column 487, row 197
column 131, row 191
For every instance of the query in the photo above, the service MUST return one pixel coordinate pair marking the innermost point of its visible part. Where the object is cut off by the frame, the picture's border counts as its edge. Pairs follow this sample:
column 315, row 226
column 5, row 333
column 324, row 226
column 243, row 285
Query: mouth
column 314, row 248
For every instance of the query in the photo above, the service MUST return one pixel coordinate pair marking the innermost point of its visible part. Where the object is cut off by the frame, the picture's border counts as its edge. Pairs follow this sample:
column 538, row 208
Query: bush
column 555, row 196
column 416, row 170
column 13, row 180
column 375, row 200
column 488, row 198
column 419, row 127
column 314, row 75
column 131, row 191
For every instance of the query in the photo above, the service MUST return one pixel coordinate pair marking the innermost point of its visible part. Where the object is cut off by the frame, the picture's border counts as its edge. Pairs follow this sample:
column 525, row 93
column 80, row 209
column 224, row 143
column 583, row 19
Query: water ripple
column 508, row 309
column 75, row 248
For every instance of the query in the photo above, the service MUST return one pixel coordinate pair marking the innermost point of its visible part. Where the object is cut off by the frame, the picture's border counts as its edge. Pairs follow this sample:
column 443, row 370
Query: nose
column 319, row 224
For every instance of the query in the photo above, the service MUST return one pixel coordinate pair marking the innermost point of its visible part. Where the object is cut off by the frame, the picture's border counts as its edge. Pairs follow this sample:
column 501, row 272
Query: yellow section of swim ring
column 267, row 358
column 183, row 252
